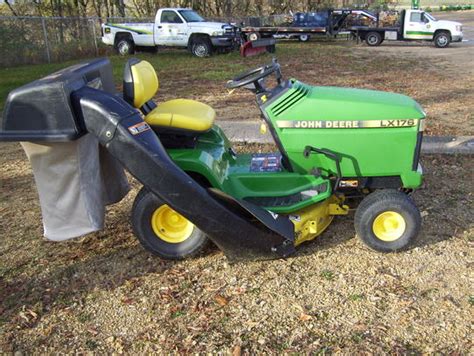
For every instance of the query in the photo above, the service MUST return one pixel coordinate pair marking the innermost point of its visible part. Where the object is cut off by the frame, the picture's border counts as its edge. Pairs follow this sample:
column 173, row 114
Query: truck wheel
column 253, row 36
column 373, row 39
column 201, row 47
column 387, row 220
column 163, row 231
column 442, row 39
column 125, row 47
column 304, row 38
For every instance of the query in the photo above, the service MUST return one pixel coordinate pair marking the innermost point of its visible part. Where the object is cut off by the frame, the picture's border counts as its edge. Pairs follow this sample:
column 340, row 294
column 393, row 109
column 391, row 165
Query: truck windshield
column 191, row 16
column 429, row 16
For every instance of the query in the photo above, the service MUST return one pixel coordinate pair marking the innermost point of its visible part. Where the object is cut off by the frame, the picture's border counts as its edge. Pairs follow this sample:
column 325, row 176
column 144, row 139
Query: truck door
column 171, row 29
column 417, row 26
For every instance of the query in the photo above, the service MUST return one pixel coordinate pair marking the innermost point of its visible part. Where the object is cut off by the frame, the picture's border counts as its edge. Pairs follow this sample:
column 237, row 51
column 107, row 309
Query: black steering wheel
column 255, row 76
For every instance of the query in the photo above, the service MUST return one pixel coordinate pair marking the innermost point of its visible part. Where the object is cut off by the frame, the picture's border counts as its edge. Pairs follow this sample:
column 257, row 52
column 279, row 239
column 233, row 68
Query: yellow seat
column 141, row 84
column 182, row 114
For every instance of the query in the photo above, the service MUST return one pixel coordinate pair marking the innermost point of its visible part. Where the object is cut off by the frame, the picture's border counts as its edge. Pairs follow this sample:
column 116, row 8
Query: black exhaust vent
column 300, row 91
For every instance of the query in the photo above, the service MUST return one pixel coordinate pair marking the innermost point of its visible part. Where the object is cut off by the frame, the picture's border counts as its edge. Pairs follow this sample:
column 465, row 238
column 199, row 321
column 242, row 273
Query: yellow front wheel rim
column 170, row 226
column 389, row 226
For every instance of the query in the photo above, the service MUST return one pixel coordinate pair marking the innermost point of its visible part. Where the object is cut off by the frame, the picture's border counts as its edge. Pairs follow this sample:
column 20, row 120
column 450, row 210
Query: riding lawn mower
column 338, row 149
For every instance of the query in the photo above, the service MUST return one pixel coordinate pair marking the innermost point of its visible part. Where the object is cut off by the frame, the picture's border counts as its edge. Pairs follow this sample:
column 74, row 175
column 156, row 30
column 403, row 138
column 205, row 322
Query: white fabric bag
column 75, row 181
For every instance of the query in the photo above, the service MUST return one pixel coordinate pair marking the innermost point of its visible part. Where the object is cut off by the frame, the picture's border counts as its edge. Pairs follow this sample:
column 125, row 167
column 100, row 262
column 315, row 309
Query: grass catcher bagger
column 337, row 148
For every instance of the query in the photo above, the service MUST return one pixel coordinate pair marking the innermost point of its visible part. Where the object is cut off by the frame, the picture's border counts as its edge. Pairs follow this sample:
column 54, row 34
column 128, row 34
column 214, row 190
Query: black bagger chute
column 82, row 106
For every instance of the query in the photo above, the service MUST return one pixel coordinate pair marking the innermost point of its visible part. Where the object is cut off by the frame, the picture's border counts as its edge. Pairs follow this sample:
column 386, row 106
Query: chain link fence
column 29, row 40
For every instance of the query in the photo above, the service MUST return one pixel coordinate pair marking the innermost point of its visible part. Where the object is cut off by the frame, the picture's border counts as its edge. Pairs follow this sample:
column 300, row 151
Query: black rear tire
column 146, row 204
column 397, row 211
column 125, row 46
column 373, row 39
column 442, row 39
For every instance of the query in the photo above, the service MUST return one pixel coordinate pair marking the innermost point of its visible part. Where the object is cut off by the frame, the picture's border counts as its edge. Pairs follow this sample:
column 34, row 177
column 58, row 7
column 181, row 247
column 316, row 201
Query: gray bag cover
column 75, row 181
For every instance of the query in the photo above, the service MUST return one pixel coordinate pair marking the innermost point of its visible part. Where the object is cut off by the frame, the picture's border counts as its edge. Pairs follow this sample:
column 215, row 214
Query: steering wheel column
column 255, row 77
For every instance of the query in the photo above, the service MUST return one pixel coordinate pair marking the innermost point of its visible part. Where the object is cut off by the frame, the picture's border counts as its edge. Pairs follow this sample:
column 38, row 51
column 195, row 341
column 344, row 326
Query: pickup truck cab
column 413, row 25
column 176, row 27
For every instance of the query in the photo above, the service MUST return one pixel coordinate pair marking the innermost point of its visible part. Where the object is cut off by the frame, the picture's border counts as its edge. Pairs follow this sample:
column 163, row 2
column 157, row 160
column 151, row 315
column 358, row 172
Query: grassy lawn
column 216, row 68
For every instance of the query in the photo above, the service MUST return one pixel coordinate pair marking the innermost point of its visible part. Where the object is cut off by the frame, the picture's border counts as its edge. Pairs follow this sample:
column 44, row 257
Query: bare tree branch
column 11, row 8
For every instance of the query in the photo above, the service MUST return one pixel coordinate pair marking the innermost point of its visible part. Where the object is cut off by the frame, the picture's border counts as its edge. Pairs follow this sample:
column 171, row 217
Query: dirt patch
column 104, row 293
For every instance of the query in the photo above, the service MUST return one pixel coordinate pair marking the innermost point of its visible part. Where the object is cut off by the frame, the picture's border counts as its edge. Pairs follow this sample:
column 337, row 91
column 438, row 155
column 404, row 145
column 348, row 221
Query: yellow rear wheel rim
column 389, row 226
column 170, row 226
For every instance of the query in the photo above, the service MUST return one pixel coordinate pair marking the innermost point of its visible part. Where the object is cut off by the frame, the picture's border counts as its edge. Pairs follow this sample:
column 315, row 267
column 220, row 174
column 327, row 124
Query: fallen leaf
column 127, row 301
column 237, row 351
column 222, row 301
column 305, row 317
column 93, row 331
column 32, row 313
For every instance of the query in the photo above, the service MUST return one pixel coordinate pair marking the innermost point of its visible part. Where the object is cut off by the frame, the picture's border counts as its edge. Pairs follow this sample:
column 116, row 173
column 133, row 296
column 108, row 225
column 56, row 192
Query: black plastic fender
column 241, row 232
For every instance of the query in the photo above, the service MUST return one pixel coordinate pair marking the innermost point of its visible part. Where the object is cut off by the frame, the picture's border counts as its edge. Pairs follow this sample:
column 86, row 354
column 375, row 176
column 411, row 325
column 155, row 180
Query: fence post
column 95, row 37
column 46, row 42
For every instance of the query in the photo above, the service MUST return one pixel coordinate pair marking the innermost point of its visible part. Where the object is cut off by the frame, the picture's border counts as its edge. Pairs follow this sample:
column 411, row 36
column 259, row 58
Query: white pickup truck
column 413, row 25
column 176, row 27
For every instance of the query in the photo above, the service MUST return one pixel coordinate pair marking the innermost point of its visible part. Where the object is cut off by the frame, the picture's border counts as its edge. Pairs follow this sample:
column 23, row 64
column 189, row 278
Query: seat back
column 140, row 84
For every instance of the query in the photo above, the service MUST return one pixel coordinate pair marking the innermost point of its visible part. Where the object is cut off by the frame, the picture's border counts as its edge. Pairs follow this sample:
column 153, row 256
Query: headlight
column 217, row 33
column 459, row 28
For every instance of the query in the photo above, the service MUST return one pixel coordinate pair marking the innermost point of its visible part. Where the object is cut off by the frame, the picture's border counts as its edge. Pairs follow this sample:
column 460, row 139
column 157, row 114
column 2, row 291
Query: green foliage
column 383, row 4
column 92, row 344
column 356, row 297
column 457, row 7
column 327, row 275
column 13, row 34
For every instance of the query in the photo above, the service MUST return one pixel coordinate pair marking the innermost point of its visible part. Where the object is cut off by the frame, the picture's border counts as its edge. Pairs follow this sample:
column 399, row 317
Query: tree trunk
column 120, row 7
column 11, row 8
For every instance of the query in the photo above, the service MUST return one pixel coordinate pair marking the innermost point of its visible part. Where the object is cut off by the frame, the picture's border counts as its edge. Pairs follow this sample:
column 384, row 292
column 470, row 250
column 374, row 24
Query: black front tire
column 376, row 206
column 125, row 47
column 304, row 38
column 144, row 207
column 442, row 39
column 201, row 47
column 373, row 39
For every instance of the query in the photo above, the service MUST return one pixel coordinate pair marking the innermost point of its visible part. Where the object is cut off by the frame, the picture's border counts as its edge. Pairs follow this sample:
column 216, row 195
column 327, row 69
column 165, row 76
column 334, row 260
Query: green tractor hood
column 332, row 103
column 374, row 133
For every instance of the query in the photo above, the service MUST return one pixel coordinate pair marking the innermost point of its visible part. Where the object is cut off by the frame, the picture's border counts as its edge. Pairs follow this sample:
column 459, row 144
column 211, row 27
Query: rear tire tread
column 140, row 224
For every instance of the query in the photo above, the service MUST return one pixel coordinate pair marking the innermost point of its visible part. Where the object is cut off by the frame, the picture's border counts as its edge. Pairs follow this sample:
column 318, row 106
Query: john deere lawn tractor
column 338, row 149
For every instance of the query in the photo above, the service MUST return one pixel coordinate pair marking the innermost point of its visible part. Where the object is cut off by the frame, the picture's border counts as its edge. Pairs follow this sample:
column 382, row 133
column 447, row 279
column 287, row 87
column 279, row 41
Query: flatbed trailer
column 304, row 25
